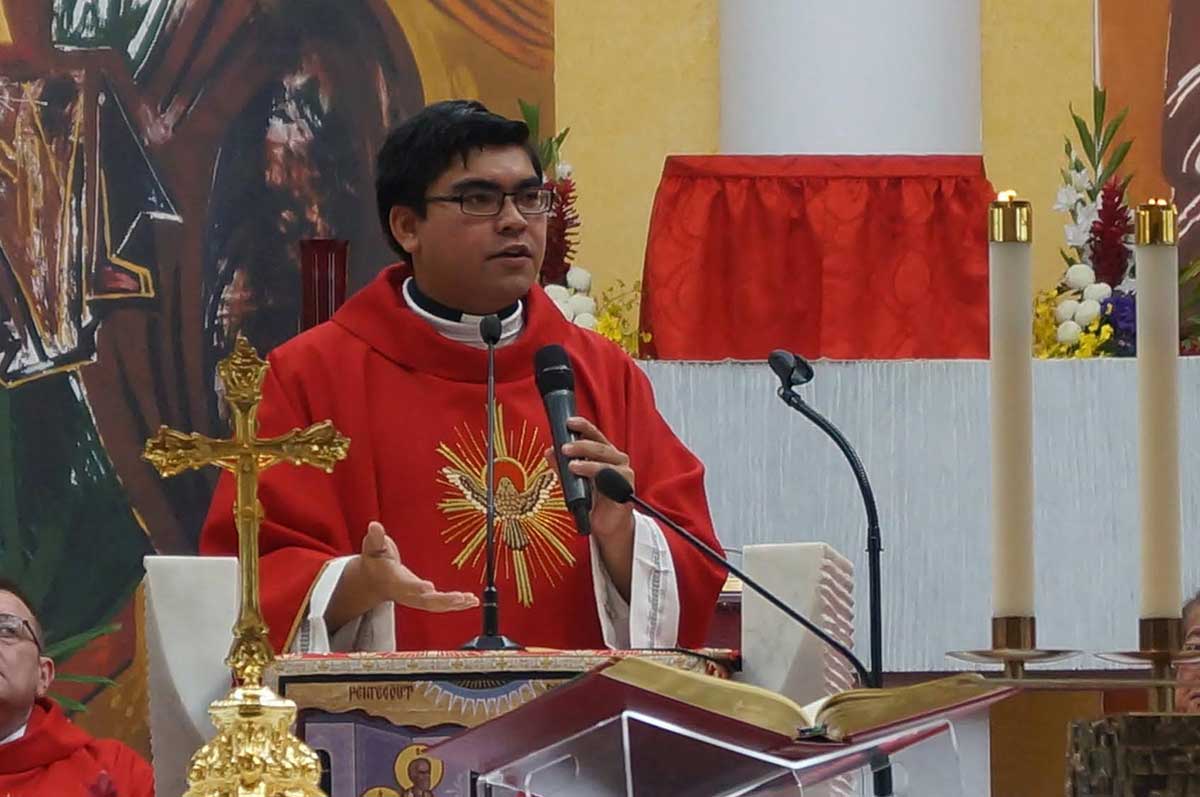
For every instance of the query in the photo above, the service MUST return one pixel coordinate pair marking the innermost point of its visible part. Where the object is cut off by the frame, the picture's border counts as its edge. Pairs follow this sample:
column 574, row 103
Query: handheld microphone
column 491, row 638
column 556, row 382
column 617, row 488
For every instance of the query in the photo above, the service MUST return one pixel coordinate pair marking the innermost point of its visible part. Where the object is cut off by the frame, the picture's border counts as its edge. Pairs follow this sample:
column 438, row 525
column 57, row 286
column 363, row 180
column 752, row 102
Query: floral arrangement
column 1092, row 311
column 570, row 286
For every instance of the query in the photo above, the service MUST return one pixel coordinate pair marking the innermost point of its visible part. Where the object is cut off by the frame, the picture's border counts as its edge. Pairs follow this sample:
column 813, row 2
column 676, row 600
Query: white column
column 850, row 76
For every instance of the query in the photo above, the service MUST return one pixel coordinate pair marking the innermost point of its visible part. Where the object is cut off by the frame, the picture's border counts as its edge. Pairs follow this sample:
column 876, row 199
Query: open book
column 739, row 714
column 838, row 718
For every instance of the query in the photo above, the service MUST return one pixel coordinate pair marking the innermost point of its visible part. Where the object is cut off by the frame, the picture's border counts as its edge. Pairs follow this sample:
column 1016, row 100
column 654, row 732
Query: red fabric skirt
column 844, row 257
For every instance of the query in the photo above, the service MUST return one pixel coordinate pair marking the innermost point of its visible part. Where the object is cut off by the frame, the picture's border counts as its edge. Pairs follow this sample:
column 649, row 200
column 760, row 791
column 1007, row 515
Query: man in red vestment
column 41, row 752
column 388, row 550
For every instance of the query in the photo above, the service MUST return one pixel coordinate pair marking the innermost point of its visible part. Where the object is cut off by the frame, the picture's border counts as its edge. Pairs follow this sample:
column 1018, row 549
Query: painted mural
column 160, row 160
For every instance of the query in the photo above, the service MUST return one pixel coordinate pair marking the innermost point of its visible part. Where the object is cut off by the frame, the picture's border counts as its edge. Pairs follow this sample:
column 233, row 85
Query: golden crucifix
column 254, row 752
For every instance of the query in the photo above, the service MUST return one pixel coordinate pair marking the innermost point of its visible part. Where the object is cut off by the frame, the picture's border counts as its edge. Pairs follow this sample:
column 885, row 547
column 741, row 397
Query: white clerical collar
column 466, row 330
column 17, row 734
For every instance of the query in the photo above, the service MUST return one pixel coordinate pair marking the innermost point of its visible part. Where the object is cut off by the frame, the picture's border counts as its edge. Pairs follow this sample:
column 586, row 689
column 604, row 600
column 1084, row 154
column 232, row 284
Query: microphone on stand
column 617, row 488
column 491, row 638
column 793, row 371
column 556, row 382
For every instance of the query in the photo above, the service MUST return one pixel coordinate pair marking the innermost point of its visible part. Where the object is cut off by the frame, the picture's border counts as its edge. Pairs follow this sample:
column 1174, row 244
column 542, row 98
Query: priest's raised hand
column 612, row 523
column 377, row 575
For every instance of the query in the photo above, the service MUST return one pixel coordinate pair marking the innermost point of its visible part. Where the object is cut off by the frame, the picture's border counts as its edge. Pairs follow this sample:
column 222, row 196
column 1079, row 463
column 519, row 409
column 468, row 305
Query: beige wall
column 634, row 80
column 1037, row 57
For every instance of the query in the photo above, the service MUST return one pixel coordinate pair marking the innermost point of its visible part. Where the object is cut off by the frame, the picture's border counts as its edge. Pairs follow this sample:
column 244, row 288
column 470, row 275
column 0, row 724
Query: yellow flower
column 1045, row 331
column 1045, row 327
column 617, row 316
column 609, row 325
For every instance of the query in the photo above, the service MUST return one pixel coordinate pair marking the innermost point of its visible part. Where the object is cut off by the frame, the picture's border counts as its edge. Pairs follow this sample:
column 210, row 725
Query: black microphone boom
column 617, row 488
column 556, row 382
column 794, row 370
column 491, row 638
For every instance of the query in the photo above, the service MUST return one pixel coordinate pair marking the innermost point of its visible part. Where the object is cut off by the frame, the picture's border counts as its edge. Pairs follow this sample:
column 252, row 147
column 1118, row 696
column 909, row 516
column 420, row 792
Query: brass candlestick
column 254, row 753
column 1014, row 644
column 1160, row 644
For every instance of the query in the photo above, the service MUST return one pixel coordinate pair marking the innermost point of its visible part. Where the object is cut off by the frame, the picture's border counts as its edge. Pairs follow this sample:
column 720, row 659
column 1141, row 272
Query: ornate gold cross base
column 254, row 753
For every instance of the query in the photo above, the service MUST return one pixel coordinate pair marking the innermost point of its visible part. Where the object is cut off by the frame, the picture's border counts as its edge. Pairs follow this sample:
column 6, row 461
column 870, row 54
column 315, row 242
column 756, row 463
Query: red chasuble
column 413, row 404
column 57, row 758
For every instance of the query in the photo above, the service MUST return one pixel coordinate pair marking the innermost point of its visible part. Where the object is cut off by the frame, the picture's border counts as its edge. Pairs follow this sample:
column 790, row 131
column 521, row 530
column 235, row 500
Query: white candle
column 1010, row 292
column 1157, row 262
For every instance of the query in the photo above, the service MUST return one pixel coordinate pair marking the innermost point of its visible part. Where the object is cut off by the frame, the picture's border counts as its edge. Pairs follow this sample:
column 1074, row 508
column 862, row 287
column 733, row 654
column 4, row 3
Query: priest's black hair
column 417, row 152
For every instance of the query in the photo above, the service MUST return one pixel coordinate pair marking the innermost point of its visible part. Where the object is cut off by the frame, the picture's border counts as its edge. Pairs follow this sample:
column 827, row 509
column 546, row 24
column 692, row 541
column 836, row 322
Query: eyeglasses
column 16, row 629
column 489, row 202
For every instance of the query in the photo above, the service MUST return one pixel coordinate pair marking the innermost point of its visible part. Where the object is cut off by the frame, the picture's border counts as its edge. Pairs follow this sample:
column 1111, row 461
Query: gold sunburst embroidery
column 532, row 522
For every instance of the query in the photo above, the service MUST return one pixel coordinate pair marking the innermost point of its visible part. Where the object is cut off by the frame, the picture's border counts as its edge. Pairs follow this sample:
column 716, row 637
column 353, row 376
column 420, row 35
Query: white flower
column 1065, row 310
column 1080, row 230
column 586, row 320
column 1077, row 234
column 581, row 303
column 1069, row 332
column 1089, row 311
column 1067, row 198
column 1081, row 181
column 566, row 310
column 558, row 293
column 579, row 279
column 1080, row 275
column 563, row 171
column 1098, row 291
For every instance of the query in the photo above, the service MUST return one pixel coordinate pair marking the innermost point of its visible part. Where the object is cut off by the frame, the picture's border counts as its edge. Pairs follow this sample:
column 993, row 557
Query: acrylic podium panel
column 636, row 755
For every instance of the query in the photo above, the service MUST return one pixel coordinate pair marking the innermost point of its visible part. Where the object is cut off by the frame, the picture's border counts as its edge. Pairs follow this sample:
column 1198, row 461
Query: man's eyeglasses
column 17, row 629
column 489, row 202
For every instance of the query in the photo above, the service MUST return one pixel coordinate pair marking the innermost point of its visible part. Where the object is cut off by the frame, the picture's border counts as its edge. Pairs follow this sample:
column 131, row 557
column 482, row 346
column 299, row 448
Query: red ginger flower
column 1110, row 253
column 561, row 235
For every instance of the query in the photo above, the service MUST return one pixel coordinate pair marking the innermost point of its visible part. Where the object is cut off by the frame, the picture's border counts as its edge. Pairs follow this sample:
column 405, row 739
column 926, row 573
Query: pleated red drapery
column 844, row 257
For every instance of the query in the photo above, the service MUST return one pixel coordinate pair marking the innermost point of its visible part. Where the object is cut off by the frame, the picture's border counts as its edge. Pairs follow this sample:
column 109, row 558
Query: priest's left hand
column 612, row 523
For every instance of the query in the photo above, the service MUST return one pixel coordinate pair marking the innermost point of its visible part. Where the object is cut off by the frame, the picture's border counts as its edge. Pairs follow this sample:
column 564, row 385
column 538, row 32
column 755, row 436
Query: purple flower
column 1121, row 311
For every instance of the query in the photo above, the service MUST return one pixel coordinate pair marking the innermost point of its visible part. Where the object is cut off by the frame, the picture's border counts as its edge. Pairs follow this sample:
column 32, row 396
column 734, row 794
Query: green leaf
column 84, row 679
column 1099, row 100
column 71, row 705
column 1125, row 184
column 1191, row 271
column 1067, row 147
column 65, row 648
column 1068, row 257
column 1117, row 159
column 532, row 115
column 1085, row 138
column 1110, row 133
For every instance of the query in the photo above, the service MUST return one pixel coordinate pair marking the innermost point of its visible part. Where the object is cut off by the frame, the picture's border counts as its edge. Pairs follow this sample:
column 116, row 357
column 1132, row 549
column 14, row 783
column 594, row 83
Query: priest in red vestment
column 41, row 752
column 388, row 550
